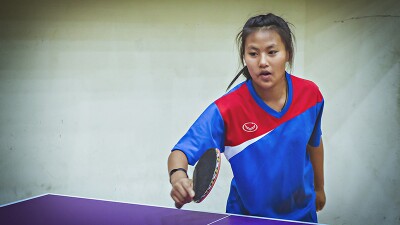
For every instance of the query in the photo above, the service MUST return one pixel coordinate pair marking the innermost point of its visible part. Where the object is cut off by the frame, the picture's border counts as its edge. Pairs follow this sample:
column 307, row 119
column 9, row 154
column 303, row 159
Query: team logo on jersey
column 249, row 127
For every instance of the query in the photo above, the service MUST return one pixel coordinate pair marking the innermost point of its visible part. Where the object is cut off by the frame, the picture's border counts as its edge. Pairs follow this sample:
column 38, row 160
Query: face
column 265, row 56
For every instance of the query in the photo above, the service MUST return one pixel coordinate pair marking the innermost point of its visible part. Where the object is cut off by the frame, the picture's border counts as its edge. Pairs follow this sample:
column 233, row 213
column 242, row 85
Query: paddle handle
column 178, row 206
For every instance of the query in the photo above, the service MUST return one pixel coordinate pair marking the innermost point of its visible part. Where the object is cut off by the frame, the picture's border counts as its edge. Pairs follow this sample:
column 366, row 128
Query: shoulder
column 304, row 83
column 234, row 97
column 303, row 86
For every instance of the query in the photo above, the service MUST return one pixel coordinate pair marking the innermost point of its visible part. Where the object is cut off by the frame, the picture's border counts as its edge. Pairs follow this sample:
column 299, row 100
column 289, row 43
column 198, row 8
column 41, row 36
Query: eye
column 252, row 53
column 272, row 52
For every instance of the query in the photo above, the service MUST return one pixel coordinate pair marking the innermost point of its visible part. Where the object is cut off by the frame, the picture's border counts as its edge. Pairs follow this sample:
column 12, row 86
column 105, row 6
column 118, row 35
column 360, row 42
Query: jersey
column 272, row 172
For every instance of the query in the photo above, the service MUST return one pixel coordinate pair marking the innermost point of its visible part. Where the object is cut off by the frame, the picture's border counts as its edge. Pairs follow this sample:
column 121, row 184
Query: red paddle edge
column 215, row 176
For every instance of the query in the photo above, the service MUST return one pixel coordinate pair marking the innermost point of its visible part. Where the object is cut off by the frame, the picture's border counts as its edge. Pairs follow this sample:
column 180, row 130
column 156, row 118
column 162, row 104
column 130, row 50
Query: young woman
column 268, row 127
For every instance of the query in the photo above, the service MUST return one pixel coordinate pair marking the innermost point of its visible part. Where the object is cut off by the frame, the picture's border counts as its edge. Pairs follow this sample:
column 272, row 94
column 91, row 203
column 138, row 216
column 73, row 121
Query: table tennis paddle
column 206, row 173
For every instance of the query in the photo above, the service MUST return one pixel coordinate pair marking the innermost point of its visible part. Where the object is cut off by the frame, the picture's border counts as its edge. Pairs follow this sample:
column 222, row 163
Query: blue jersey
column 273, row 175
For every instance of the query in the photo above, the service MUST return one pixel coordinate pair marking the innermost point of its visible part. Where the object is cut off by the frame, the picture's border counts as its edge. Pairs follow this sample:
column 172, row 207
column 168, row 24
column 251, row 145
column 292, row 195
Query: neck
column 276, row 96
column 275, row 93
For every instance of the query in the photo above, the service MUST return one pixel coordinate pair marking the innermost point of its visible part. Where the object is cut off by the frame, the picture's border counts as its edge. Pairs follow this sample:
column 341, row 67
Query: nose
column 263, row 61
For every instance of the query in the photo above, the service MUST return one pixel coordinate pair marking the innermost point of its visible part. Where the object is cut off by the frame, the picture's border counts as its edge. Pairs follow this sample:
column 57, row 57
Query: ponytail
column 244, row 71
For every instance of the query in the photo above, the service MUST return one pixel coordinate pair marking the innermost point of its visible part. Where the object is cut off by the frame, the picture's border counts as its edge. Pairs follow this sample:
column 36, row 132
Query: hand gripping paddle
column 206, row 173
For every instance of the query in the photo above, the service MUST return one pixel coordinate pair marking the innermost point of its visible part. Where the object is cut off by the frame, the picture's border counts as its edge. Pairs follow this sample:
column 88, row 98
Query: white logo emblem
column 249, row 127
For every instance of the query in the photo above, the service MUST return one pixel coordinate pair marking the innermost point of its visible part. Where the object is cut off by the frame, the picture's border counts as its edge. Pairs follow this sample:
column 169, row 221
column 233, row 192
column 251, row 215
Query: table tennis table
column 65, row 210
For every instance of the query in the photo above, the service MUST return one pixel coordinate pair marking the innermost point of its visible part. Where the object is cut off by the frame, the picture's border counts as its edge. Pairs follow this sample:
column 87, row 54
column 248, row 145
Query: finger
column 188, row 186
column 178, row 204
column 175, row 194
column 191, row 183
column 319, row 206
column 182, row 192
column 189, row 189
column 187, row 197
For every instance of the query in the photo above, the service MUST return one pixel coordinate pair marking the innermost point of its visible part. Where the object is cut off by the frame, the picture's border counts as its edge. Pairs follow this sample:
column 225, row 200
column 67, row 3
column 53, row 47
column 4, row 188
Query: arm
column 182, row 187
column 207, row 131
column 317, row 161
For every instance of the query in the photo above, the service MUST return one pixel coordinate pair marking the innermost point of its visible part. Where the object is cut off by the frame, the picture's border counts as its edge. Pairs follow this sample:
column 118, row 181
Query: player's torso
column 267, row 151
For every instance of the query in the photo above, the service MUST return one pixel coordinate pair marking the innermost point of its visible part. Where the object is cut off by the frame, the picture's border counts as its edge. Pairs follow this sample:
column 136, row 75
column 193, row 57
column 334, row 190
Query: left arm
column 317, row 161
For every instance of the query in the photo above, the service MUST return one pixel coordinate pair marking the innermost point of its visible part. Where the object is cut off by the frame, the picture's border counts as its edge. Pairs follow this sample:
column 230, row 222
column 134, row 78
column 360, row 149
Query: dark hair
column 269, row 22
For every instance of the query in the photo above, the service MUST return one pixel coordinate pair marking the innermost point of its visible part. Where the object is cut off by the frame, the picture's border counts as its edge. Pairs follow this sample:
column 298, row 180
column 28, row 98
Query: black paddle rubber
column 205, row 174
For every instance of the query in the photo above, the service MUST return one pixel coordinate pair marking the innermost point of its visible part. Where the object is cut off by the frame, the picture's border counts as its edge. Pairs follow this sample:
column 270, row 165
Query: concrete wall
column 94, row 94
column 353, row 53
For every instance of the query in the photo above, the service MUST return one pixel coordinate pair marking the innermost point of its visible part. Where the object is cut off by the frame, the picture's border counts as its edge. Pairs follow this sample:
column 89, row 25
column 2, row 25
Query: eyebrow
column 268, row 47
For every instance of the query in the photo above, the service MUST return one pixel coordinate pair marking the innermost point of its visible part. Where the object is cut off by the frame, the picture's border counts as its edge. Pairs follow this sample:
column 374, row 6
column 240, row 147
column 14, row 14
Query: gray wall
column 94, row 94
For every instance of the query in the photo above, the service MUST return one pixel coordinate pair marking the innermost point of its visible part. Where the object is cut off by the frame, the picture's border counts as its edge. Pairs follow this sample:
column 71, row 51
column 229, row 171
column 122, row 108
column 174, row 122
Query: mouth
column 265, row 73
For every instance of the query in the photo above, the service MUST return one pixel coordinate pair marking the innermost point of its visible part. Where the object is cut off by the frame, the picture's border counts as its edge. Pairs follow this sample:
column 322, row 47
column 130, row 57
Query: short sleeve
column 317, row 132
column 206, row 132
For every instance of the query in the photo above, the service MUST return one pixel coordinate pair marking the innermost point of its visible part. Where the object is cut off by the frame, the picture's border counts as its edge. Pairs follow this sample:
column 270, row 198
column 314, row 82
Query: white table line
column 219, row 219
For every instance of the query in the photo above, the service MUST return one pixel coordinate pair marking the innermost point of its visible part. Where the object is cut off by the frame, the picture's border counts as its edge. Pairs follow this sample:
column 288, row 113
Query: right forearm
column 177, row 159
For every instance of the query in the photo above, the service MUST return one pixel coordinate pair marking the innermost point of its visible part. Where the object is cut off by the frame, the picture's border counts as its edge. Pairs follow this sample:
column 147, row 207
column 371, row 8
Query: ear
column 244, row 62
column 287, row 56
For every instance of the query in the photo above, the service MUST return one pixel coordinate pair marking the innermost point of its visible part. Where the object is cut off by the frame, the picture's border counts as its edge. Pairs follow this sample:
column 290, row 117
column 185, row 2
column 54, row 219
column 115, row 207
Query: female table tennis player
column 268, row 127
